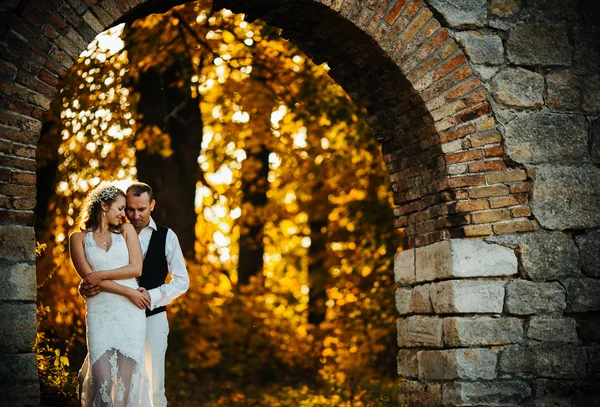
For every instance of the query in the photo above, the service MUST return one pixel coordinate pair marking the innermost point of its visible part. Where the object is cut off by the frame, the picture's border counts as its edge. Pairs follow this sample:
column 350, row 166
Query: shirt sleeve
column 180, row 281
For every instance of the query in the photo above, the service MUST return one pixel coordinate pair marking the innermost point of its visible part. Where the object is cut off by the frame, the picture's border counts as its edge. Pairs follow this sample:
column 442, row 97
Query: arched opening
column 449, row 170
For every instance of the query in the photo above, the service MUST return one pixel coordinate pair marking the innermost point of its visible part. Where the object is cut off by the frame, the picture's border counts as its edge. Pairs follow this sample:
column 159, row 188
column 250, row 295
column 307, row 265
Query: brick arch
column 441, row 145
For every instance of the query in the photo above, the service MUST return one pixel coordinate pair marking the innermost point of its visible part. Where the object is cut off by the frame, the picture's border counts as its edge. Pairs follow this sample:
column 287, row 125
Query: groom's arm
column 180, row 281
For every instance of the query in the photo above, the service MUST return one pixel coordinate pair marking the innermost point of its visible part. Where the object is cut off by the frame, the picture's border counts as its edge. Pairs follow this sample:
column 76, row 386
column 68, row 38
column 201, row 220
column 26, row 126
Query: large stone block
column 557, row 361
column 17, row 281
column 403, row 300
column 17, row 242
column 407, row 363
column 526, row 298
column 20, row 394
column 463, row 258
column 462, row 14
column 404, row 267
column 564, row 90
column 489, row 393
column 482, row 48
column 552, row 329
column 589, row 251
column 451, row 364
column 541, row 137
column 566, row 393
column 539, row 44
column 566, row 197
column 18, row 367
column 544, row 255
column 419, row 331
column 468, row 331
column 595, row 148
column 18, row 327
column 583, row 294
column 416, row 393
column 518, row 87
column 421, row 300
column 467, row 296
column 591, row 94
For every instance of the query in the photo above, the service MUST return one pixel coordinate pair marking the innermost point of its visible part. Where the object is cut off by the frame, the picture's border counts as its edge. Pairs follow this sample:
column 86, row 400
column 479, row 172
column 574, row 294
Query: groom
column 162, row 256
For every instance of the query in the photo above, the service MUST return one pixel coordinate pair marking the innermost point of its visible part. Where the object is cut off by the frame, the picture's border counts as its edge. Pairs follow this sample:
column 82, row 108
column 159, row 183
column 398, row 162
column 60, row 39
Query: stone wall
column 487, row 115
column 513, row 319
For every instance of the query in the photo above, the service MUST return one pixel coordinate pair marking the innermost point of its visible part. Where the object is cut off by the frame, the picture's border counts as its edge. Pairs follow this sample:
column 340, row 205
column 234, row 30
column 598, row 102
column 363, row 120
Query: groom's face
column 139, row 209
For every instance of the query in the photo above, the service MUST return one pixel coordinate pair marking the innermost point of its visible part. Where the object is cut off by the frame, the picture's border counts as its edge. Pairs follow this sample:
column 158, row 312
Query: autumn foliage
column 268, row 173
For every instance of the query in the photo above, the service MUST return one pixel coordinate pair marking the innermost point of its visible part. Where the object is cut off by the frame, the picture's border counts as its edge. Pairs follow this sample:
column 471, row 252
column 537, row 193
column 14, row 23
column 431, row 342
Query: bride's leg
column 127, row 370
column 102, row 379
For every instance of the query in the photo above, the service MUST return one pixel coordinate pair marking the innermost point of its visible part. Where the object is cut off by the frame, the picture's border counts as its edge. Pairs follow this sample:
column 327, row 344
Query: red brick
column 514, row 226
column 519, row 188
column 521, row 212
column 395, row 11
column 448, row 49
column 17, row 190
column 414, row 6
column 487, row 191
column 464, row 181
column 478, row 140
column 468, row 206
column 462, row 73
column 18, row 163
column 463, row 88
column 485, row 166
column 503, row 202
column 434, row 43
column 431, row 27
column 4, row 174
column 473, row 113
column 491, row 216
column 8, row 133
column 23, row 178
column 506, row 176
column 24, row 151
column 496, row 151
column 20, row 121
column 455, row 134
column 21, row 218
column 477, row 230
column 470, row 155
column 23, row 204
column 449, row 66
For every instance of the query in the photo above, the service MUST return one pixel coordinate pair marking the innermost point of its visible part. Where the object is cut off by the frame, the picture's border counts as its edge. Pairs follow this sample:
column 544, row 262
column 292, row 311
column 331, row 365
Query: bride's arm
column 133, row 269
column 77, row 252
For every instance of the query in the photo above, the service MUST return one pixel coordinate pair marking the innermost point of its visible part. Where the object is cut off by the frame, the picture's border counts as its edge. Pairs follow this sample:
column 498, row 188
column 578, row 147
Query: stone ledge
column 463, row 258
column 419, row 331
column 526, row 297
column 484, row 393
column 453, row 364
column 416, row 393
column 550, row 329
column 17, row 242
column 17, row 281
column 556, row 361
column 482, row 331
column 468, row 296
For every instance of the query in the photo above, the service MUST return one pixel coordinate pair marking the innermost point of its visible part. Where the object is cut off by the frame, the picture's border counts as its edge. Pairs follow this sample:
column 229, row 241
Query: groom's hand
column 87, row 290
column 146, row 296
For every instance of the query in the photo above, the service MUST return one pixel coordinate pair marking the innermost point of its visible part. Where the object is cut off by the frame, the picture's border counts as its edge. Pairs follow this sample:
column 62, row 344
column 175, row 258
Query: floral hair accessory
column 104, row 194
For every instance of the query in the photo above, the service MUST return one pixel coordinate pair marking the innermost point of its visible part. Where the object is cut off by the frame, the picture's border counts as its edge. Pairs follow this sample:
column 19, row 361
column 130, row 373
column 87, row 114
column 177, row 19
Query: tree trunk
column 173, row 179
column 255, row 185
column 318, row 269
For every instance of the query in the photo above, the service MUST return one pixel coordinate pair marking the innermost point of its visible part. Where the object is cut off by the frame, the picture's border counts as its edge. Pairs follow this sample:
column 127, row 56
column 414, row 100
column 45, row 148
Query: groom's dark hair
column 138, row 188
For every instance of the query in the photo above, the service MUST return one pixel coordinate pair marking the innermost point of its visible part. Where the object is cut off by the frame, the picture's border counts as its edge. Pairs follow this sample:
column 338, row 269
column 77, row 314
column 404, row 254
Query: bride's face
column 115, row 215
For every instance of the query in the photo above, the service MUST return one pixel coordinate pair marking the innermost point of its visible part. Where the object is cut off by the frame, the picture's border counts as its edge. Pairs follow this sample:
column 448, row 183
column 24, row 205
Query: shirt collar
column 152, row 224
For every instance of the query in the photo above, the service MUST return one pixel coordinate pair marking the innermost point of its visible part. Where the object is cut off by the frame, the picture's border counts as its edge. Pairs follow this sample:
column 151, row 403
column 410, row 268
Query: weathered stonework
column 455, row 172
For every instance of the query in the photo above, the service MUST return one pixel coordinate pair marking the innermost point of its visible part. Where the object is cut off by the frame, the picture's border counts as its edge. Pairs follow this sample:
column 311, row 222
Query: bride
column 107, row 253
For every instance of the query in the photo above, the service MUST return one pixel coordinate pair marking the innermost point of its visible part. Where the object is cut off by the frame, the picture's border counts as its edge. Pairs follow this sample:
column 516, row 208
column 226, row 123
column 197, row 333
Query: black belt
column 155, row 311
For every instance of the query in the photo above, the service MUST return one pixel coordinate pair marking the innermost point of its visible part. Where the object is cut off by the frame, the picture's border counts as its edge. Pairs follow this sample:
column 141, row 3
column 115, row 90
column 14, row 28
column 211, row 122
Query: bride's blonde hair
column 90, row 217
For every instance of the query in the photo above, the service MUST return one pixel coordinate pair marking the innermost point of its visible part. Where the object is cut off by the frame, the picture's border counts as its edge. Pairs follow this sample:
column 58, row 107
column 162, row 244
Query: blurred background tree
column 267, row 172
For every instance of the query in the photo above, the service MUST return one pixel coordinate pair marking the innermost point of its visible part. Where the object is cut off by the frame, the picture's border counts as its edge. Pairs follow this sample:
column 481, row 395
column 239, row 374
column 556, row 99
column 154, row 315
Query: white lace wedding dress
column 113, row 374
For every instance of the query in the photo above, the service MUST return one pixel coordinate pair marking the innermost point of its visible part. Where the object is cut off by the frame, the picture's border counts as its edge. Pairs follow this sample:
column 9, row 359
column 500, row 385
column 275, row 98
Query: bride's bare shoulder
column 128, row 228
column 77, row 237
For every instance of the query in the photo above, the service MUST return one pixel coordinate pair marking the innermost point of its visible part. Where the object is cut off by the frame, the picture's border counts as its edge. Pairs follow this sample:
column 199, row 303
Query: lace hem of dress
column 114, row 380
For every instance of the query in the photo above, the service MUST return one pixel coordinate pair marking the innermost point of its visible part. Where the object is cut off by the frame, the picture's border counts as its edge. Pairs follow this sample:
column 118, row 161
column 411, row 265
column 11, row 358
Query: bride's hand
column 138, row 299
column 93, row 278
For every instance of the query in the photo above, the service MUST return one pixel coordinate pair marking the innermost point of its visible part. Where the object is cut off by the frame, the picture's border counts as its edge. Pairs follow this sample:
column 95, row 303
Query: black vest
column 155, row 268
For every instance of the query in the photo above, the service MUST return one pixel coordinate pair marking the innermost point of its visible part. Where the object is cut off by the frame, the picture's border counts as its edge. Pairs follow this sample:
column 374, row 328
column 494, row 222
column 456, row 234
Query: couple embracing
column 124, row 267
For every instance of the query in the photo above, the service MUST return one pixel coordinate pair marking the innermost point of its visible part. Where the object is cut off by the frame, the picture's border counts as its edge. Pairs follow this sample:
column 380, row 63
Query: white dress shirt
column 180, row 281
